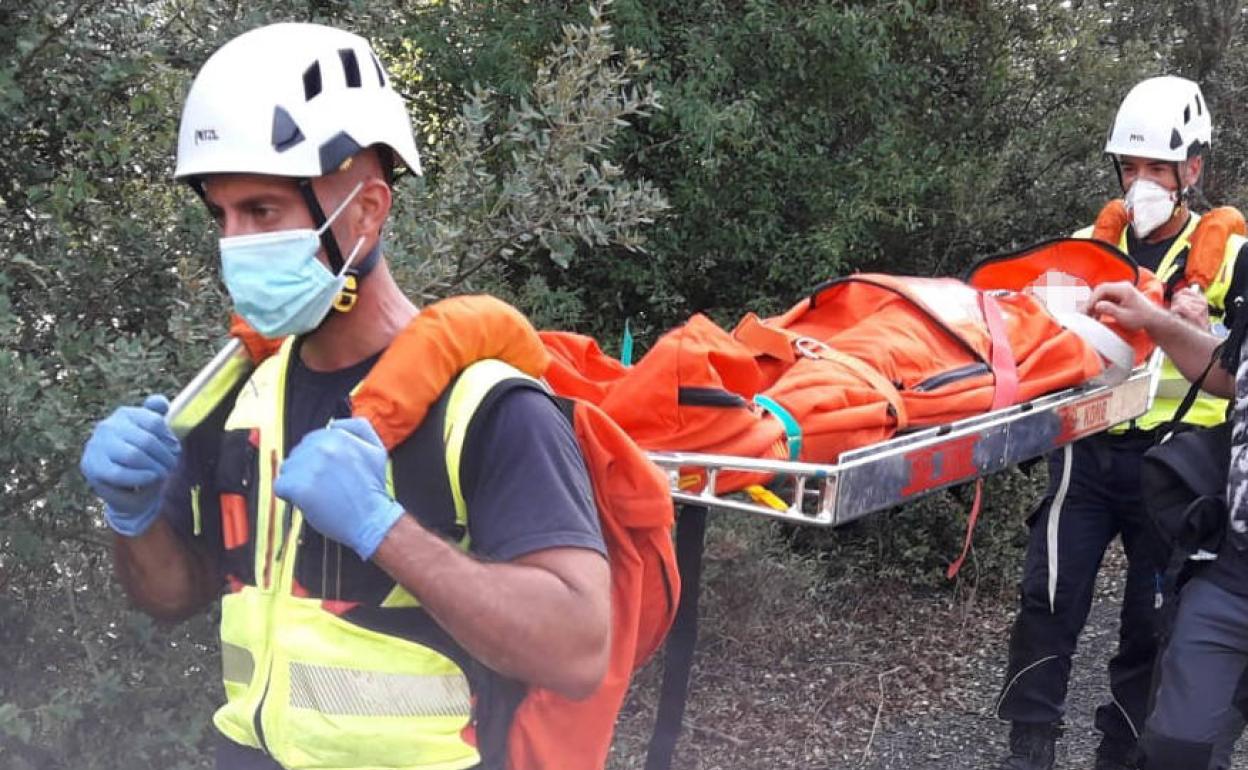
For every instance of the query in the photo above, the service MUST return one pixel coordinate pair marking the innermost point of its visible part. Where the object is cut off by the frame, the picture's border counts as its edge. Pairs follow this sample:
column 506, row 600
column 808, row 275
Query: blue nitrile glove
column 337, row 477
column 127, row 461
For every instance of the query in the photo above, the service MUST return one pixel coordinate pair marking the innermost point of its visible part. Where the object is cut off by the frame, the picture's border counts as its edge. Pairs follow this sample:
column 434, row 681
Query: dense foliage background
column 636, row 162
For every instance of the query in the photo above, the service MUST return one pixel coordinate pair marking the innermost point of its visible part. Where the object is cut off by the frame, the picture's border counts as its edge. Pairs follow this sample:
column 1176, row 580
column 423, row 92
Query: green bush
column 916, row 543
column 694, row 156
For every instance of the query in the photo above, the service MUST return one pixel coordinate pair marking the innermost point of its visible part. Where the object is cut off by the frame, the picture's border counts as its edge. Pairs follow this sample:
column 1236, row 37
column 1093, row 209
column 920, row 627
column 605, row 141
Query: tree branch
column 23, row 65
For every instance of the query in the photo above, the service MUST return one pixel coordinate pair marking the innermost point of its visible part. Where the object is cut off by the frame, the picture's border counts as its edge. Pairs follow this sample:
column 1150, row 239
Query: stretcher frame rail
column 914, row 464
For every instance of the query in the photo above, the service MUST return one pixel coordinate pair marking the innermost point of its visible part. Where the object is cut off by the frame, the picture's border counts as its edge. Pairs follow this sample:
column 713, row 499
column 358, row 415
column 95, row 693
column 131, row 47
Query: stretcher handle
column 209, row 385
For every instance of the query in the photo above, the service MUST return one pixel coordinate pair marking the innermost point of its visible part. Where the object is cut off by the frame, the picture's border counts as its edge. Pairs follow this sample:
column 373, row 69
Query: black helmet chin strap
column 328, row 241
column 1118, row 171
column 356, row 273
column 365, row 264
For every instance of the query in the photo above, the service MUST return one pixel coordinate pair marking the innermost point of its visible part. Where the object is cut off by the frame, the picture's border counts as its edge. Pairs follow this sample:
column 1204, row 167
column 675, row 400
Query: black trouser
column 1201, row 692
column 232, row 756
column 1087, row 504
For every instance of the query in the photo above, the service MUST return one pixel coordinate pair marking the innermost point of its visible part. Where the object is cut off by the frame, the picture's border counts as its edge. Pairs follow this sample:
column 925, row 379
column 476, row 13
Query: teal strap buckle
column 791, row 429
column 626, row 345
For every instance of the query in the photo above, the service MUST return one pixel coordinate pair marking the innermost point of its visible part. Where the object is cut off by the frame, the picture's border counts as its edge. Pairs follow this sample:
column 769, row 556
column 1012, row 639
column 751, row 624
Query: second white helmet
column 291, row 100
column 1164, row 118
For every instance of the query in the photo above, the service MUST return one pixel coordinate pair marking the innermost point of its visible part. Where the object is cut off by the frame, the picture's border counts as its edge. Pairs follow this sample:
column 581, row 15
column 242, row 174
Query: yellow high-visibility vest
column 1172, row 386
column 302, row 683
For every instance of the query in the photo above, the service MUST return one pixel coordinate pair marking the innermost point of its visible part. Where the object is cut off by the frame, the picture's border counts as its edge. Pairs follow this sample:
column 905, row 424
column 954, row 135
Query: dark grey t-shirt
column 1147, row 254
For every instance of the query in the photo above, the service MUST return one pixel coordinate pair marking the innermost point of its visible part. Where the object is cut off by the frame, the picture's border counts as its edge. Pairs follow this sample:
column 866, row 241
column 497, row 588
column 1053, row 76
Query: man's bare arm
column 544, row 618
column 1188, row 346
column 164, row 575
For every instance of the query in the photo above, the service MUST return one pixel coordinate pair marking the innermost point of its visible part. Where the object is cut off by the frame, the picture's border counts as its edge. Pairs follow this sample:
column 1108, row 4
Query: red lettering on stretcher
column 936, row 466
column 1078, row 420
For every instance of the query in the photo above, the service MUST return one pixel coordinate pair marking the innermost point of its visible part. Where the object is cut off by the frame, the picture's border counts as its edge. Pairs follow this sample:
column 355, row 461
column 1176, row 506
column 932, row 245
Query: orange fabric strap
column 782, row 344
column 764, row 339
column 870, row 375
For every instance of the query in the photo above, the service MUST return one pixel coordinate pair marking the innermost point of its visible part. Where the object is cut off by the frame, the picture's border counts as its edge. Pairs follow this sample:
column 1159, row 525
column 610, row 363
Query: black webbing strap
column 328, row 241
column 1178, row 275
column 1189, row 398
column 678, row 654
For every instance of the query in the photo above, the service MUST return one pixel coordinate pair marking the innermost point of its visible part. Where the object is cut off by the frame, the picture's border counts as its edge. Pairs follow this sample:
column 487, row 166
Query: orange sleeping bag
column 863, row 357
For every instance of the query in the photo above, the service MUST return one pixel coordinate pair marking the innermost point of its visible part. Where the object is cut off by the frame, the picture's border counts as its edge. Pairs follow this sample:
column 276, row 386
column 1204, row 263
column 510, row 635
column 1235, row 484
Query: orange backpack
column 635, row 509
column 633, row 499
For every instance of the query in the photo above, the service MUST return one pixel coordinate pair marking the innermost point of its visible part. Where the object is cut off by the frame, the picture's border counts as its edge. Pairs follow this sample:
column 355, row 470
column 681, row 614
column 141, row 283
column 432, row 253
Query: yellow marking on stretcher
column 764, row 496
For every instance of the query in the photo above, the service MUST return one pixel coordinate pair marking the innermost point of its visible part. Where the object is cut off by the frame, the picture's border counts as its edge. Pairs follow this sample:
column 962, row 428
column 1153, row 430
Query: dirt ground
column 791, row 673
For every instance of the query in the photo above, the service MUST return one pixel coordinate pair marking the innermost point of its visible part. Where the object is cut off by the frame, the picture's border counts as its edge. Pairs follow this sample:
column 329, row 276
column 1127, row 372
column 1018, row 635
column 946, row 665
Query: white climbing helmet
column 1163, row 118
column 291, row 100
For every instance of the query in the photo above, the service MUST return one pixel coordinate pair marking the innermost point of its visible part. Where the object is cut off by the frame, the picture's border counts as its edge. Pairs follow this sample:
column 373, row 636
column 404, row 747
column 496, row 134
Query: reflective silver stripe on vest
column 349, row 692
column 237, row 663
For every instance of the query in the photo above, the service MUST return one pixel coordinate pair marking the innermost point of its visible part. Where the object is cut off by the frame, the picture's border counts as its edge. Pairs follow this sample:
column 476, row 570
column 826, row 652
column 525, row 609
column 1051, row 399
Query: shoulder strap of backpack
column 467, row 394
column 1193, row 392
column 1111, row 224
column 1208, row 244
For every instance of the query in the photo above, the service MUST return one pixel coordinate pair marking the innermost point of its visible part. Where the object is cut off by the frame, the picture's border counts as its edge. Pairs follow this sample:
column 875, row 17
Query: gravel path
column 794, row 674
column 975, row 740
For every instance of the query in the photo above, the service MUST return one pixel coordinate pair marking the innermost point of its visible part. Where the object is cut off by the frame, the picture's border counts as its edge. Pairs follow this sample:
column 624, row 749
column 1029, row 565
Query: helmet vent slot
column 286, row 133
column 312, row 81
column 338, row 149
column 350, row 67
column 381, row 74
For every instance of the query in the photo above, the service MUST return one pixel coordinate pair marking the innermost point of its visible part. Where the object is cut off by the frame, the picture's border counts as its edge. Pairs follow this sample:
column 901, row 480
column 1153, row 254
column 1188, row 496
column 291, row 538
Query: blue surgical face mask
column 278, row 285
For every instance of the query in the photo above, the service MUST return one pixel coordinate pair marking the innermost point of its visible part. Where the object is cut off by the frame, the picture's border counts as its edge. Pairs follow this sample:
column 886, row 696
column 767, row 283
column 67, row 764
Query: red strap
column 338, row 607
column 1004, row 393
column 952, row 572
column 235, row 531
column 1004, row 370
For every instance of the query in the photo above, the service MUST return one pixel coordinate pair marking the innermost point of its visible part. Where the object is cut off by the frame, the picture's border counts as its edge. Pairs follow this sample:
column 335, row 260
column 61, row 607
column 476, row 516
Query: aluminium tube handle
column 208, row 387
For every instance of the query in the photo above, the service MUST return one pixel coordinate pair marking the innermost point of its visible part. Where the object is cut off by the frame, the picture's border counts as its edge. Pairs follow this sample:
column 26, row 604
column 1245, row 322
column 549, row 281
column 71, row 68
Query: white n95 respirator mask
column 1150, row 206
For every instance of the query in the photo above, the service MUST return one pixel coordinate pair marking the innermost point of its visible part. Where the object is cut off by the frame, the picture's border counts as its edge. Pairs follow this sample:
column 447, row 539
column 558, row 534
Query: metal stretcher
column 914, row 464
column 866, row 480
